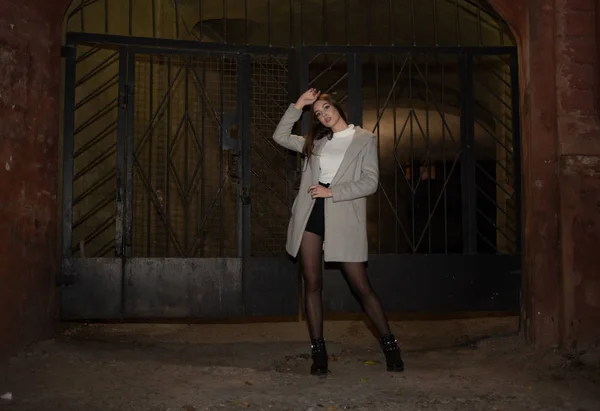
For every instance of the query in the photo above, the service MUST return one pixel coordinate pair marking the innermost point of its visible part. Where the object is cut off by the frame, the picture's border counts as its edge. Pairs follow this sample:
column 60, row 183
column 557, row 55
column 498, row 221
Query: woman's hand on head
column 319, row 191
column 310, row 96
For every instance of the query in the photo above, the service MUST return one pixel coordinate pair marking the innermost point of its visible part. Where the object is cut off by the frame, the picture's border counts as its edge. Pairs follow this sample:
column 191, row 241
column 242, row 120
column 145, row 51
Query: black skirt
column 316, row 220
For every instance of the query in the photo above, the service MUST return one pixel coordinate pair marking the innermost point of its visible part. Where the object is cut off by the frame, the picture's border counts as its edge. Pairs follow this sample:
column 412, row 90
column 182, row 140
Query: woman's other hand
column 306, row 99
column 319, row 191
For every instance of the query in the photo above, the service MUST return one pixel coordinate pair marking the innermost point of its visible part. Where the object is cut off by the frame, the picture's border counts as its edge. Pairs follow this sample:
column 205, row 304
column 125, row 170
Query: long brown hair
column 318, row 130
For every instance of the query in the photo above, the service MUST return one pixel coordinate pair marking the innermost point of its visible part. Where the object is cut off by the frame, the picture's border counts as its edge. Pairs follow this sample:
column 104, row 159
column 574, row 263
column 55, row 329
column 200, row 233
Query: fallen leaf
column 246, row 404
column 370, row 362
column 399, row 391
column 331, row 408
column 363, row 379
column 248, row 383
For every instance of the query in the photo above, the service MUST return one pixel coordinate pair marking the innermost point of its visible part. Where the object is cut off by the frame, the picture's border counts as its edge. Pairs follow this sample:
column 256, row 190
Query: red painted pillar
column 559, row 51
column 30, row 36
column 532, row 23
column 577, row 78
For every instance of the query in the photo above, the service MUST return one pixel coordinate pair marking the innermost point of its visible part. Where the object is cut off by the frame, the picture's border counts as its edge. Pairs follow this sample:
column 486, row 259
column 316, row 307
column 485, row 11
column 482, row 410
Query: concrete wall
column 30, row 35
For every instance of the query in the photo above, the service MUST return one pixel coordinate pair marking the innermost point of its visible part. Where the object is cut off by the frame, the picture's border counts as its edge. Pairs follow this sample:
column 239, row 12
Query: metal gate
column 175, row 198
column 444, row 227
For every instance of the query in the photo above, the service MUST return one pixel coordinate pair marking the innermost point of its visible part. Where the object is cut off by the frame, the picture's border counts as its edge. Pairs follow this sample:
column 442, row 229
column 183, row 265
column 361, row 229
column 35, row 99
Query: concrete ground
column 265, row 367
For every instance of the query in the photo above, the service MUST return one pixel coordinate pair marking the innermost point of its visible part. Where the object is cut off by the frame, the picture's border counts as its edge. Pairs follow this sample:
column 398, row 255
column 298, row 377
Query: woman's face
column 326, row 113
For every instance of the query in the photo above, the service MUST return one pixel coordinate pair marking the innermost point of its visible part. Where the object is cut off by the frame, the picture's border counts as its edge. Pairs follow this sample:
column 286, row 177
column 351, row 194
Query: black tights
column 356, row 274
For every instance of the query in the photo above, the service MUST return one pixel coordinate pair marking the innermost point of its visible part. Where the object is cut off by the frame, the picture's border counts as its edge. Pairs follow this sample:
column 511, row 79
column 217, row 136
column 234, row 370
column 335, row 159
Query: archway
column 131, row 209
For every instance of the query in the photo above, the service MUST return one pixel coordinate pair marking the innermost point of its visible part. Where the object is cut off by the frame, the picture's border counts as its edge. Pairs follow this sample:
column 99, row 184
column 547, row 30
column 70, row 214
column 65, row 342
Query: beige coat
column 346, row 211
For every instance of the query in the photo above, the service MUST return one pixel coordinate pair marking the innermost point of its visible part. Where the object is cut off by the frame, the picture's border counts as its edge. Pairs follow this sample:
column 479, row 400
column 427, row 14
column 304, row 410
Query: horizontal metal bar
column 456, row 50
column 168, row 46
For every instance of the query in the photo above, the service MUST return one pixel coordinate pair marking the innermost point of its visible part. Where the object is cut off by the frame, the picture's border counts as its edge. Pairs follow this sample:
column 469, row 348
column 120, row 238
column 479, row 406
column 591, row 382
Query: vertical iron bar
column 347, row 21
column 244, row 135
column 130, row 153
column 291, row 23
column 203, row 165
column 222, row 156
column 468, row 165
column 131, row 17
column 428, row 137
column 240, row 90
column 396, row 166
column 369, row 23
column 444, row 150
column 168, row 160
column 304, row 81
column 413, row 22
column 244, row 104
column 70, row 54
column 186, row 154
column 150, row 144
column 479, row 33
column 105, row 16
column 269, row 23
column 247, row 21
column 413, row 171
column 391, row 23
column 202, row 23
column 479, row 28
column 435, row 24
column 225, row 21
column 379, row 115
column 121, row 148
column 176, row 4
column 457, row 23
column 154, row 18
column 150, row 152
column 302, row 22
column 82, row 18
column 324, row 16
column 516, row 129
column 355, row 109
column 292, row 86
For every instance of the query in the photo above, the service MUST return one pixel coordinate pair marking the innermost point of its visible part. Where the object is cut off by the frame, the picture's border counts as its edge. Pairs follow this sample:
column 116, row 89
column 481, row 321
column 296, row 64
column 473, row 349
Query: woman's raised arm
column 283, row 133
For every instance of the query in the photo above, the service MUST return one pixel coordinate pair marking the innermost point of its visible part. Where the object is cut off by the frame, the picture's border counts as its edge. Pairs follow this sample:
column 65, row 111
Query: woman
column 340, row 170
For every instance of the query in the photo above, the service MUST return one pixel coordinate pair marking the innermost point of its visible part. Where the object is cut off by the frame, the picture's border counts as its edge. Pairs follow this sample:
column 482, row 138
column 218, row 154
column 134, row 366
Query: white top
column 333, row 153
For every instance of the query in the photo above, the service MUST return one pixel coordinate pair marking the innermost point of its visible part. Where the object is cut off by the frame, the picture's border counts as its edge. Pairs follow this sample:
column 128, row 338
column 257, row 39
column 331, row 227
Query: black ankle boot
column 393, row 358
column 319, row 357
